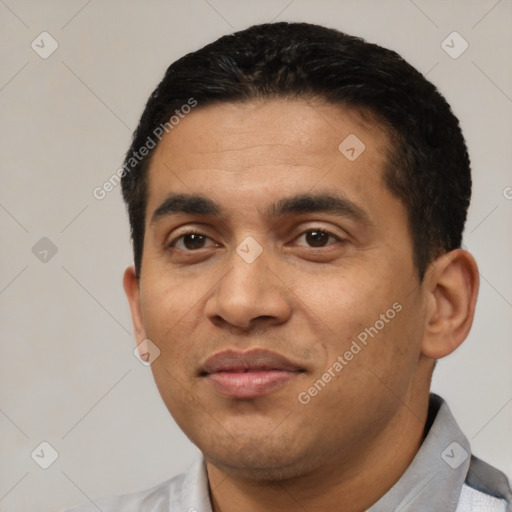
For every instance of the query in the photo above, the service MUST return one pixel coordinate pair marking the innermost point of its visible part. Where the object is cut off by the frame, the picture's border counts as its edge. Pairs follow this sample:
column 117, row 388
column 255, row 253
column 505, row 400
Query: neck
column 345, row 486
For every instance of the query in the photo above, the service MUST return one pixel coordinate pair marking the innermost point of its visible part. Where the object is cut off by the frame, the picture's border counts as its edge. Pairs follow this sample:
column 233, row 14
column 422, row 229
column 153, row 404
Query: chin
column 262, row 460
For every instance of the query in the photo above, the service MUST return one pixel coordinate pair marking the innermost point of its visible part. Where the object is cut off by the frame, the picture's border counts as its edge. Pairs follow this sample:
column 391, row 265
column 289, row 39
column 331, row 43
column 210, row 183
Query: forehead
column 255, row 151
column 276, row 131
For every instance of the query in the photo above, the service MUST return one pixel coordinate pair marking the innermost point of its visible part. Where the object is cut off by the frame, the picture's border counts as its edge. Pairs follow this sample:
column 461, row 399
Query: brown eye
column 192, row 241
column 317, row 238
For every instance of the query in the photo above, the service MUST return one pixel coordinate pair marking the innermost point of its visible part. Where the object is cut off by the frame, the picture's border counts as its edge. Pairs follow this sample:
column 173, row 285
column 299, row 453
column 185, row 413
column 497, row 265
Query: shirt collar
column 433, row 481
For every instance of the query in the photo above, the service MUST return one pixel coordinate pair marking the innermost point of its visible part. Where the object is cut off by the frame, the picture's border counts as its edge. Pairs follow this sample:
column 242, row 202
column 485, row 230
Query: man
column 297, row 199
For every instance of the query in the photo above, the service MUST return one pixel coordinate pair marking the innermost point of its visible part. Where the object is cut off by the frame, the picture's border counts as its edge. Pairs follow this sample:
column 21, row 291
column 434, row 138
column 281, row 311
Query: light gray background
column 68, row 375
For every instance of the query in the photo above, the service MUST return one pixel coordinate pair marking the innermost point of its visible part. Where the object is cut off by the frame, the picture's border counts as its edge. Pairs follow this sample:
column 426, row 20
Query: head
column 427, row 166
column 303, row 192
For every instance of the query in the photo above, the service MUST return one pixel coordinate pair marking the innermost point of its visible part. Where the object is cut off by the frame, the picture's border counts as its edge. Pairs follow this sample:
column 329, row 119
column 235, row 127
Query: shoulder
column 472, row 500
column 156, row 499
column 486, row 489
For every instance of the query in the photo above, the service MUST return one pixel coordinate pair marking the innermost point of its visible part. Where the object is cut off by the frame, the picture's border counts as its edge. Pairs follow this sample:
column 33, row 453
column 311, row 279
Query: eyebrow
column 192, row 204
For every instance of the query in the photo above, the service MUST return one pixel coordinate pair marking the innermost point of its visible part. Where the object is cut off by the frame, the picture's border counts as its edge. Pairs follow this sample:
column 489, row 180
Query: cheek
column 168, row 312
column 346, row 302
column 369, row 319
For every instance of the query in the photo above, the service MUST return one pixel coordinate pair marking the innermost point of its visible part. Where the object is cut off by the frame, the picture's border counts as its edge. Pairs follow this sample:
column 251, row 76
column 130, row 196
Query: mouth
column 249, row 374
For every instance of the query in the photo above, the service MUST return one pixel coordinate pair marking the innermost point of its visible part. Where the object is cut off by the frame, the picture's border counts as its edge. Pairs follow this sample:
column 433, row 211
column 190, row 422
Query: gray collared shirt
column 443, row 477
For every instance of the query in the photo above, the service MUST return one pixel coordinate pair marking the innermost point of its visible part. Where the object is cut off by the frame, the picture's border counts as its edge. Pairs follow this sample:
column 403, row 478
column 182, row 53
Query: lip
column 248, row 374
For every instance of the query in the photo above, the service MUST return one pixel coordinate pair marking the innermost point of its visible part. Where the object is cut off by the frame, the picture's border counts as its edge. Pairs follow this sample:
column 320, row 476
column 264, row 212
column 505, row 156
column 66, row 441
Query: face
column 278, row 283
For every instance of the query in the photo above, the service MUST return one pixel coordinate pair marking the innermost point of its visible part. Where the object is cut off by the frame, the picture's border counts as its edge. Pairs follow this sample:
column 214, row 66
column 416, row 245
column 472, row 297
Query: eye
column 192, row 241
column 318, row 238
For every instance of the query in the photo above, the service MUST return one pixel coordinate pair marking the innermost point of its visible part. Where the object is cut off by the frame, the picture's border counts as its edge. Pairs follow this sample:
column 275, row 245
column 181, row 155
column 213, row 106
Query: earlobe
column 452, row 289
column 131, row 288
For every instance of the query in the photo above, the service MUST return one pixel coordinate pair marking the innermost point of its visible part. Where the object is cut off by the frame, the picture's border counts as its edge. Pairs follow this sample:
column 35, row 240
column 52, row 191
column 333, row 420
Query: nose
column 249, row 296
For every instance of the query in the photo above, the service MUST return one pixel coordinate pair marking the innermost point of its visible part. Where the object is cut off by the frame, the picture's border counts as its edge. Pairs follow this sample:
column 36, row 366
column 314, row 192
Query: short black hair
column 428, row 166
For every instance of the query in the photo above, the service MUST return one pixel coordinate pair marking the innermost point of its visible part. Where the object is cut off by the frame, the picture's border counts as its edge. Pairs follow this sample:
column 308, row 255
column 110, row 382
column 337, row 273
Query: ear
column 451, row 285
column 131, row 288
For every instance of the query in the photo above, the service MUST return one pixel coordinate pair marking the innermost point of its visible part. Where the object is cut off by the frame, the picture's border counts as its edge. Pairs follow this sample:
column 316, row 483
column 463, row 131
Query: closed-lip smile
column 248, row 374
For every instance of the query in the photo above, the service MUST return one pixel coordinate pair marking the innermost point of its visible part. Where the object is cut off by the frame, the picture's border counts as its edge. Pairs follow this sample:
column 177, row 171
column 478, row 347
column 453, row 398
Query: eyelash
column 173, row 243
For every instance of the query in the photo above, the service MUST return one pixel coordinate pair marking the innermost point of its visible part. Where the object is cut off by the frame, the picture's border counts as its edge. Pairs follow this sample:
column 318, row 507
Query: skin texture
column 352, row 441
